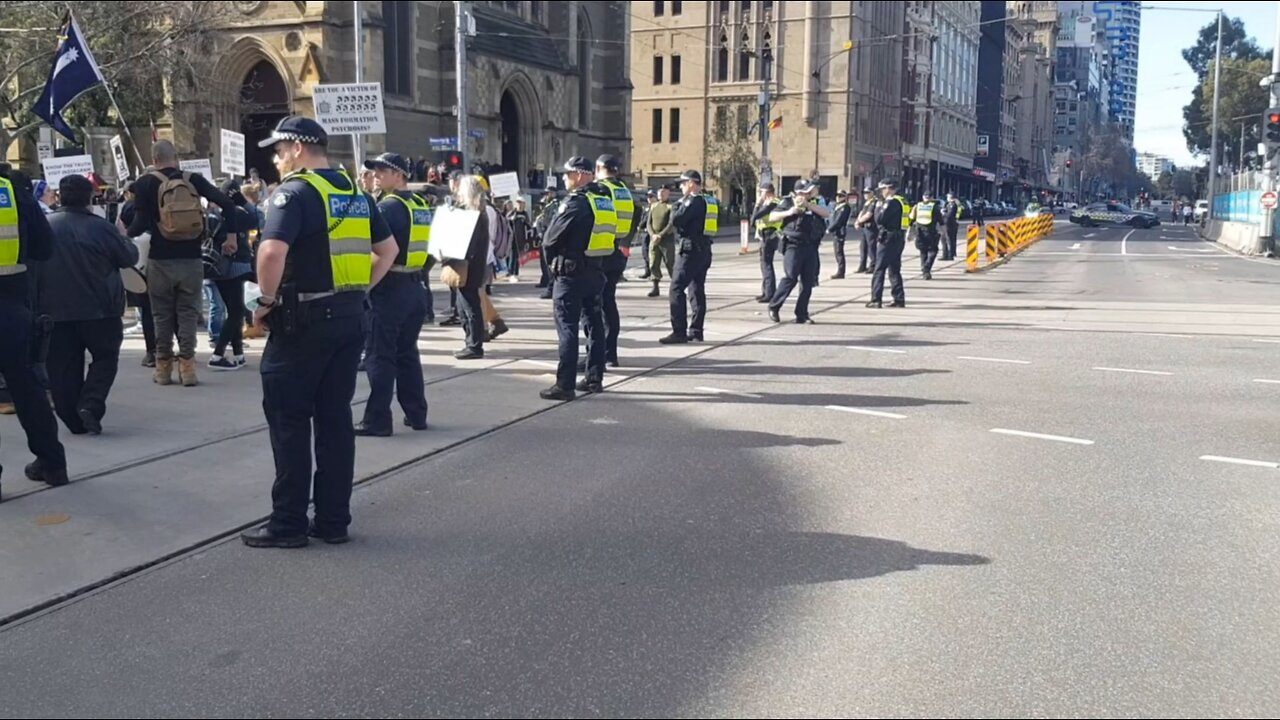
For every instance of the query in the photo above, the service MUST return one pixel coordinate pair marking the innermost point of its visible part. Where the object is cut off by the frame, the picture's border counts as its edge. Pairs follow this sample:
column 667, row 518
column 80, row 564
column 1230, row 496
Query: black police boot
column 655, row 292
column 773, row 315
column 896, row 304
column 261, row 537
column 328, row 537
column 363, row 430
column 499, row 329
column 557, row 393
column 416, row 426
column 37, row 472
column 674, row 339
column 591, row 387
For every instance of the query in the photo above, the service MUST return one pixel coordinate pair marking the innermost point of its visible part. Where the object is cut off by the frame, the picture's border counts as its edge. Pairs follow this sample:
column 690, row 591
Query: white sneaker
column 513, row 279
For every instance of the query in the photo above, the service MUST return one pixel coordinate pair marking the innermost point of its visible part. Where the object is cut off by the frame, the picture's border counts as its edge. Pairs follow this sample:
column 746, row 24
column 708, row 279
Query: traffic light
column 1068, row 163
column 453, row 160
column 1272, row 119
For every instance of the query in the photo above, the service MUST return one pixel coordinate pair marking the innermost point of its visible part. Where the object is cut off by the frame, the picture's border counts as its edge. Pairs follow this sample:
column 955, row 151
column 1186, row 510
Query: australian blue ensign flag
column 74, row 71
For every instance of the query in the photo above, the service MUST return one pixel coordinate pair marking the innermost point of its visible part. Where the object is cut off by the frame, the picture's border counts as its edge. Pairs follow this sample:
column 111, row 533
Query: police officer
column 892, row 221
column 767, row 231
column 866, row 222
column 314, row 269
column 803, row 225
column 578, row 241
column 927, row 217
column 839, row 227
column 398, row 305
column 696, row 219
column 25, row 237
column 951, row 214
column 615, row 265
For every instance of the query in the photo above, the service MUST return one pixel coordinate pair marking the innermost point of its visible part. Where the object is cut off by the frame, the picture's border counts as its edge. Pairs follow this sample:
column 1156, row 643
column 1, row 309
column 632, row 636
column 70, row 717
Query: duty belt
column 13, row 269
column 309, row 297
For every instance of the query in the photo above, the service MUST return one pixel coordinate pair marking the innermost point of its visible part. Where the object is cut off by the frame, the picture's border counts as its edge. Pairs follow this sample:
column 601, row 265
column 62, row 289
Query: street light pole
column 357, row 145
column 1213, row 141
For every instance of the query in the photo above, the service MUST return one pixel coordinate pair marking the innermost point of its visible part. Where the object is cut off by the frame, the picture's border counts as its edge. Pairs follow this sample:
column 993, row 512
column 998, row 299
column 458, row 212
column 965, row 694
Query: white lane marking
column 872, row 413
column 1239, row 461
column 993, row 360
column 1199, row 250
column 604, row 421
column 1041, row 436
column 1131, row 370
column 735, row 393
column 1264, row 340
column 1124, row 242
column 1086, row 237
column 1168, row 335
column 541, row 363
column 1076, row 246
column 1267, row 382
column 877, row 349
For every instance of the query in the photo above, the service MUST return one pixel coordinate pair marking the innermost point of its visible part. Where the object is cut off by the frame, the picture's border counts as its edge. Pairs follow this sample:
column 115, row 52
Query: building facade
column 1121, row 25
column 1154, row 165
column 940, row 84
column 546, row 80
column 700, row 69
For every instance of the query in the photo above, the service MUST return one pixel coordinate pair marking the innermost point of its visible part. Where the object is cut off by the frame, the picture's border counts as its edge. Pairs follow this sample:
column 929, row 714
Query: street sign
column 44, row 150
column 1269, row 200
column 232, row 153
column 444, row 143
column 984, row 146
column 57, row 168
column 477, row 133
column 350, row 108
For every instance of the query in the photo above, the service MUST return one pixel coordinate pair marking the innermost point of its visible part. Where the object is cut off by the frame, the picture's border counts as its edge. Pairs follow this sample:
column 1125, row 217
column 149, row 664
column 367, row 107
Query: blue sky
column 1165, row 80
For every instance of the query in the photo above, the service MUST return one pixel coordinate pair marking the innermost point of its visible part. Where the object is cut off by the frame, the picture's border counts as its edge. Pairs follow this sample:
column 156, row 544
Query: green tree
column 146, row 50
column 1108, row 165
column 734, row 164
column 1236, row 45
column 1164, row 184
column 1242, row 97
column 1184, row 184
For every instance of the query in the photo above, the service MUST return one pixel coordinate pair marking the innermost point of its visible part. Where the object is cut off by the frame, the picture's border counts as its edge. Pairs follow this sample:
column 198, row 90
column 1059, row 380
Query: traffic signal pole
column 1272, row 143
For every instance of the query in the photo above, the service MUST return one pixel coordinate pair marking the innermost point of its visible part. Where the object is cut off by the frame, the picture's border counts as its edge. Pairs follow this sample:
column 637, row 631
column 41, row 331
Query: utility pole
column 1269, row 165
column 766, row 79
column 462, row 24
column 1213, row 141
column 357, row 145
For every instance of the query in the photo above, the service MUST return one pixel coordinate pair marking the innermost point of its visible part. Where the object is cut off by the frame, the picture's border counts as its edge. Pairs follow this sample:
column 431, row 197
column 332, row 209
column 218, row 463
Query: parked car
column 1201, row 211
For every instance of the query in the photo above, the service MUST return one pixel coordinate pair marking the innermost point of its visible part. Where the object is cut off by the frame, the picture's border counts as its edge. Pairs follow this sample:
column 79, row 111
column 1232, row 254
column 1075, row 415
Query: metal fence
column 1239, row 198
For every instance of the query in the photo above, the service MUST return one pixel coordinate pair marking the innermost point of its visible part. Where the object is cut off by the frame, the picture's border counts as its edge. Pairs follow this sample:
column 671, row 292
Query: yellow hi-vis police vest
column 350, row 242
column 604, row 227
column 763, row 225
column 9, row 240
column 924, row 213
column 711, row 225
column 420, row 217
column 906, row 211
column 624, row 206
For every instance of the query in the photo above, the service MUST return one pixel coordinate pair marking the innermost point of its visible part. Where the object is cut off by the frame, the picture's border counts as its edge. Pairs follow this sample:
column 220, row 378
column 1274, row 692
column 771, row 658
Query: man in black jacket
column 175, row 270
column 839, row 226
column 692, row 263
column 81, row 291
column 803, row 225
column 25, row 237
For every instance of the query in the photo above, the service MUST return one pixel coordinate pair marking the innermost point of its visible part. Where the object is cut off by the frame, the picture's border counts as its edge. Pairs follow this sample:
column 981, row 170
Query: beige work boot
column 164, row 371
column 187, row 371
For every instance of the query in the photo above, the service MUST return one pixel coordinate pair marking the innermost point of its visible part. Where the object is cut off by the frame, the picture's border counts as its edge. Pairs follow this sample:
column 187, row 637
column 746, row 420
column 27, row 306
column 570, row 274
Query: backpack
column 181, row 216
column 499, row 234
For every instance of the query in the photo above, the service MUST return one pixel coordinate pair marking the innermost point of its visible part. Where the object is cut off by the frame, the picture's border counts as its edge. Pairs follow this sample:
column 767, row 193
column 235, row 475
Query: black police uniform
column 867, row 246
column 310, row 375
column 398, row 310
column 890, row 242
column 693, row 261
column 768, row 249
column 35, row 243
column 801, row 236
column 951, row 213
column 927, row 236
column 839, row 227
column 578, row 285
column 614, row 267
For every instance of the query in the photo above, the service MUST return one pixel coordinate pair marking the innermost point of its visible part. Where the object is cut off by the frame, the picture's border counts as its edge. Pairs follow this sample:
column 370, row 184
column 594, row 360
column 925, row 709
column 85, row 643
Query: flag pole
column 71, row 18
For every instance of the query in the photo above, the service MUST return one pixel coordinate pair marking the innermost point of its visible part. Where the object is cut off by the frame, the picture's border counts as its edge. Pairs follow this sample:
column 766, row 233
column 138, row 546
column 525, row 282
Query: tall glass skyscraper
column 1120, row 22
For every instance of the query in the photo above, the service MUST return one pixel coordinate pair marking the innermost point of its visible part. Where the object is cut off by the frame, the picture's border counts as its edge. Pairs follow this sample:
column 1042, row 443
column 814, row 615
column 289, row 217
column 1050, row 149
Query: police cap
column 577, row 163
column 296, row 128
column 693, row 175
column 609, row 162
column 887, row 183
column 390, row 161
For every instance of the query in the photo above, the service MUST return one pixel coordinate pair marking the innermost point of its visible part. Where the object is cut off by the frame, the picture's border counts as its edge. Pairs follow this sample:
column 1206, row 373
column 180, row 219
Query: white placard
column 350, row 108
column 505, row 185
column 122, row 162
column 202, row 166
column 451, row 231
column 44, row 151
column 57, row 168
column 551, row 181
column 232, row 153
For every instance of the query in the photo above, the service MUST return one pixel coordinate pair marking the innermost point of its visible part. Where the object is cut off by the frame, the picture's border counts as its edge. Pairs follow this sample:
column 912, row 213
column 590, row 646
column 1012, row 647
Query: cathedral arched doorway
column 264, row 101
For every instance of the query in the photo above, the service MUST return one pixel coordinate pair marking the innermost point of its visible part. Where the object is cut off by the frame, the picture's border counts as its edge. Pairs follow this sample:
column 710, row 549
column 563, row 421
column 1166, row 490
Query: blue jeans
column 217, row 311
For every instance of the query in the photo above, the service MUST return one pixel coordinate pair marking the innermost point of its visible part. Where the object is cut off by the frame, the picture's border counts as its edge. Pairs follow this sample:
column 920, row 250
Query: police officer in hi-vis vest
column 398, row 305
column 696, row 219
column 624, row 206
column 315, row 266
column 892, row 221
column 927, row 217
column 25, row 237
column 578, row 241
column 768, row 232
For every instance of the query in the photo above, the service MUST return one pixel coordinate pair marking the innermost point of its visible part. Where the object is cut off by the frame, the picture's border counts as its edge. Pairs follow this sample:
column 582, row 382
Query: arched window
column 722, row 59
column 744, row 57
column 766, row 55
column 584, row 72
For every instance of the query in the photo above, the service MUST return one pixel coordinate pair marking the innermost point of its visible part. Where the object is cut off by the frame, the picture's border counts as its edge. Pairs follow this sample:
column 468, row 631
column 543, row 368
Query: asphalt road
column 1045, row 490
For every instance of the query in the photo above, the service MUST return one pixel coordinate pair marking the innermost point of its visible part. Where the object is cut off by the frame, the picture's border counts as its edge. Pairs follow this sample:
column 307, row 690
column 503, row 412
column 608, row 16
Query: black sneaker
column 591, row 387
column 469, row 354
column 330, row 538
column 91, row 423
column 149, row 360
column 499, row 329
column 222, row 364
column 557, row 393
column 674, row 339
column 451, row 321
column 262, row 537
